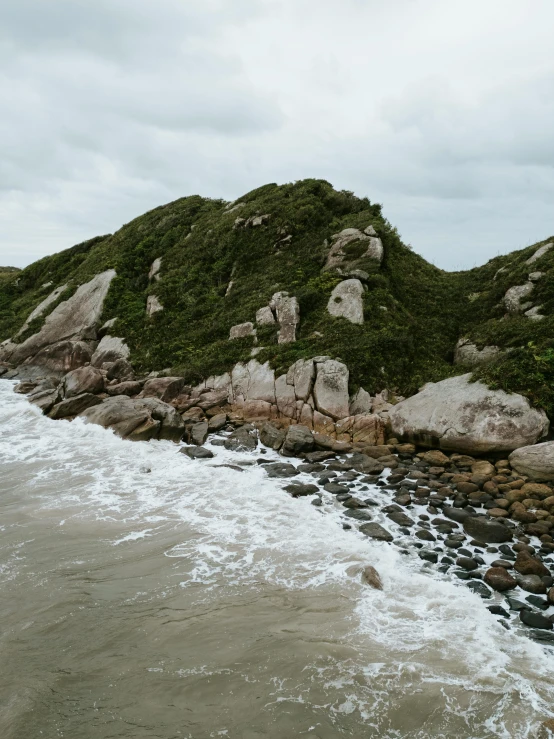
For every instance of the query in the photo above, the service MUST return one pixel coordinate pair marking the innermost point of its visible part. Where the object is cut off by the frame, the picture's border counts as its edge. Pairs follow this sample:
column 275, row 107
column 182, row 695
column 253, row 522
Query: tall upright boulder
column 331, row 389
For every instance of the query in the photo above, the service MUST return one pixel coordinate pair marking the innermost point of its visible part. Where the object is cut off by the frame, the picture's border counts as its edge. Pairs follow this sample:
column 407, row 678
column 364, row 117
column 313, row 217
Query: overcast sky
column 442, row 111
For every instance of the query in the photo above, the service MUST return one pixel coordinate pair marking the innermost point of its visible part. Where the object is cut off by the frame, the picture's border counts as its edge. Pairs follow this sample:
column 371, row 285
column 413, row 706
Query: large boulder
column 83, row 380
column 110, row 349
column 331, row 389
column 163, row 388
column 121, row 370
column 242, row 330
column 516, row 294
column 271, row 436
column 346, row 301
column 468, row 354
column 301, row 376
column 128, row 387
column 536, row 462
column 299, row 439
column 60, row 358
column 352, row 246
column 172, row 425
column 137, row 419
column 75, row 319
column 360, row 402
column 252, row 381
column 465, row 416
column 541, row 251
column 74, row 405
column 41, row 307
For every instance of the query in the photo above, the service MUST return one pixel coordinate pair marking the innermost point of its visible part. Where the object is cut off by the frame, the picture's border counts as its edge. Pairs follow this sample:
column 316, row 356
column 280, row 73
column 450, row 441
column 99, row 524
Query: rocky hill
column 286, row 273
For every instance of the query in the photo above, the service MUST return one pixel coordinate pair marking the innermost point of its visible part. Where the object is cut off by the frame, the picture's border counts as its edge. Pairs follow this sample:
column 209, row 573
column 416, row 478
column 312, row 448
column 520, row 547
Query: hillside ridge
column 190, row 271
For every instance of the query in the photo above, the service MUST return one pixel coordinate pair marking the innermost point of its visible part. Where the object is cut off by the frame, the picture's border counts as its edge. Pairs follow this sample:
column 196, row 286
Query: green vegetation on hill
column 414, row 313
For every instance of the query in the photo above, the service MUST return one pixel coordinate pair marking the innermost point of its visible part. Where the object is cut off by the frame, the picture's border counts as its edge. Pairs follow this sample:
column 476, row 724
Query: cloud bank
column 443, row 112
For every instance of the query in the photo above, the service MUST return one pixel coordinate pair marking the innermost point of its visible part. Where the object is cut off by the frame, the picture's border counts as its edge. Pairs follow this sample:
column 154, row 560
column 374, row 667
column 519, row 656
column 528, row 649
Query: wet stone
column 425, row 535
column 376, row 531
column 453, row 543
column 428, row 556
column 537, row 602
column 515, row 604
column 531, row 584
column 497, row 610
column 360, row 514
column 502, row 563
column 400, row 518
column 467, row 563
column 298, row 490
column 332, row 487
column 535, row 620
column 507, row 552
column 280, row 469
column 481, row 589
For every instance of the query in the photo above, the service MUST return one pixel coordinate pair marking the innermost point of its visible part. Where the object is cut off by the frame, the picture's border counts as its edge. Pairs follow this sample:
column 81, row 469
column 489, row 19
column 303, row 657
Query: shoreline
column 424, row 502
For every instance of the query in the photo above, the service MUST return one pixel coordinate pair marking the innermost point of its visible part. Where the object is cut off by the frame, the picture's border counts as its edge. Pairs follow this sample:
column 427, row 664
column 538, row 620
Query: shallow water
column 197, row 601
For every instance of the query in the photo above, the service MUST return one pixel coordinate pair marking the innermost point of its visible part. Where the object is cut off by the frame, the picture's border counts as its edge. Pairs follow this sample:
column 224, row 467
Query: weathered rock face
column 83, row 380
column 110, row 349
column 271, row 436
column 74, row 319
column 346, row 301
column 41, row 307
column 301, row 376
column 352, row 245
column 534, row 313
column 486, row 531
column 468, row 354
column 163, row 388
column 458, row 415
column 499, row 579
column 74, row 405
column 536, row 462
column 331, row 389
column 298, row 440
column 265, row 317
column 244, row 439
column 541, row 251
column 256, row 410
column 515, row 295
column 360, row 402
column 153, row 305
column 171, row 424
column 252, row 381
column 285, row 397
column 287, row 311
column 121, row 370
column 154, row 273
column 241, row 330
column 62, row 357
column 137, row 419
column 125, row 388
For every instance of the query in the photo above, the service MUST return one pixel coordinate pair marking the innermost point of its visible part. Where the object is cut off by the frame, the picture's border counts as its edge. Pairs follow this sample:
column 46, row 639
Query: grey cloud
column 115, row 106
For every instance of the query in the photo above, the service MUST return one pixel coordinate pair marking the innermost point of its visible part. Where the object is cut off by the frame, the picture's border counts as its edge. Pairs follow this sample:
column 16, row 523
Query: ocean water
column 197, row 601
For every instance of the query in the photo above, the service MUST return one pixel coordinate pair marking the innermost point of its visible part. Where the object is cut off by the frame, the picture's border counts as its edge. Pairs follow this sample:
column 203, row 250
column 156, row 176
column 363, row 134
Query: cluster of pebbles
column 472, row 520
